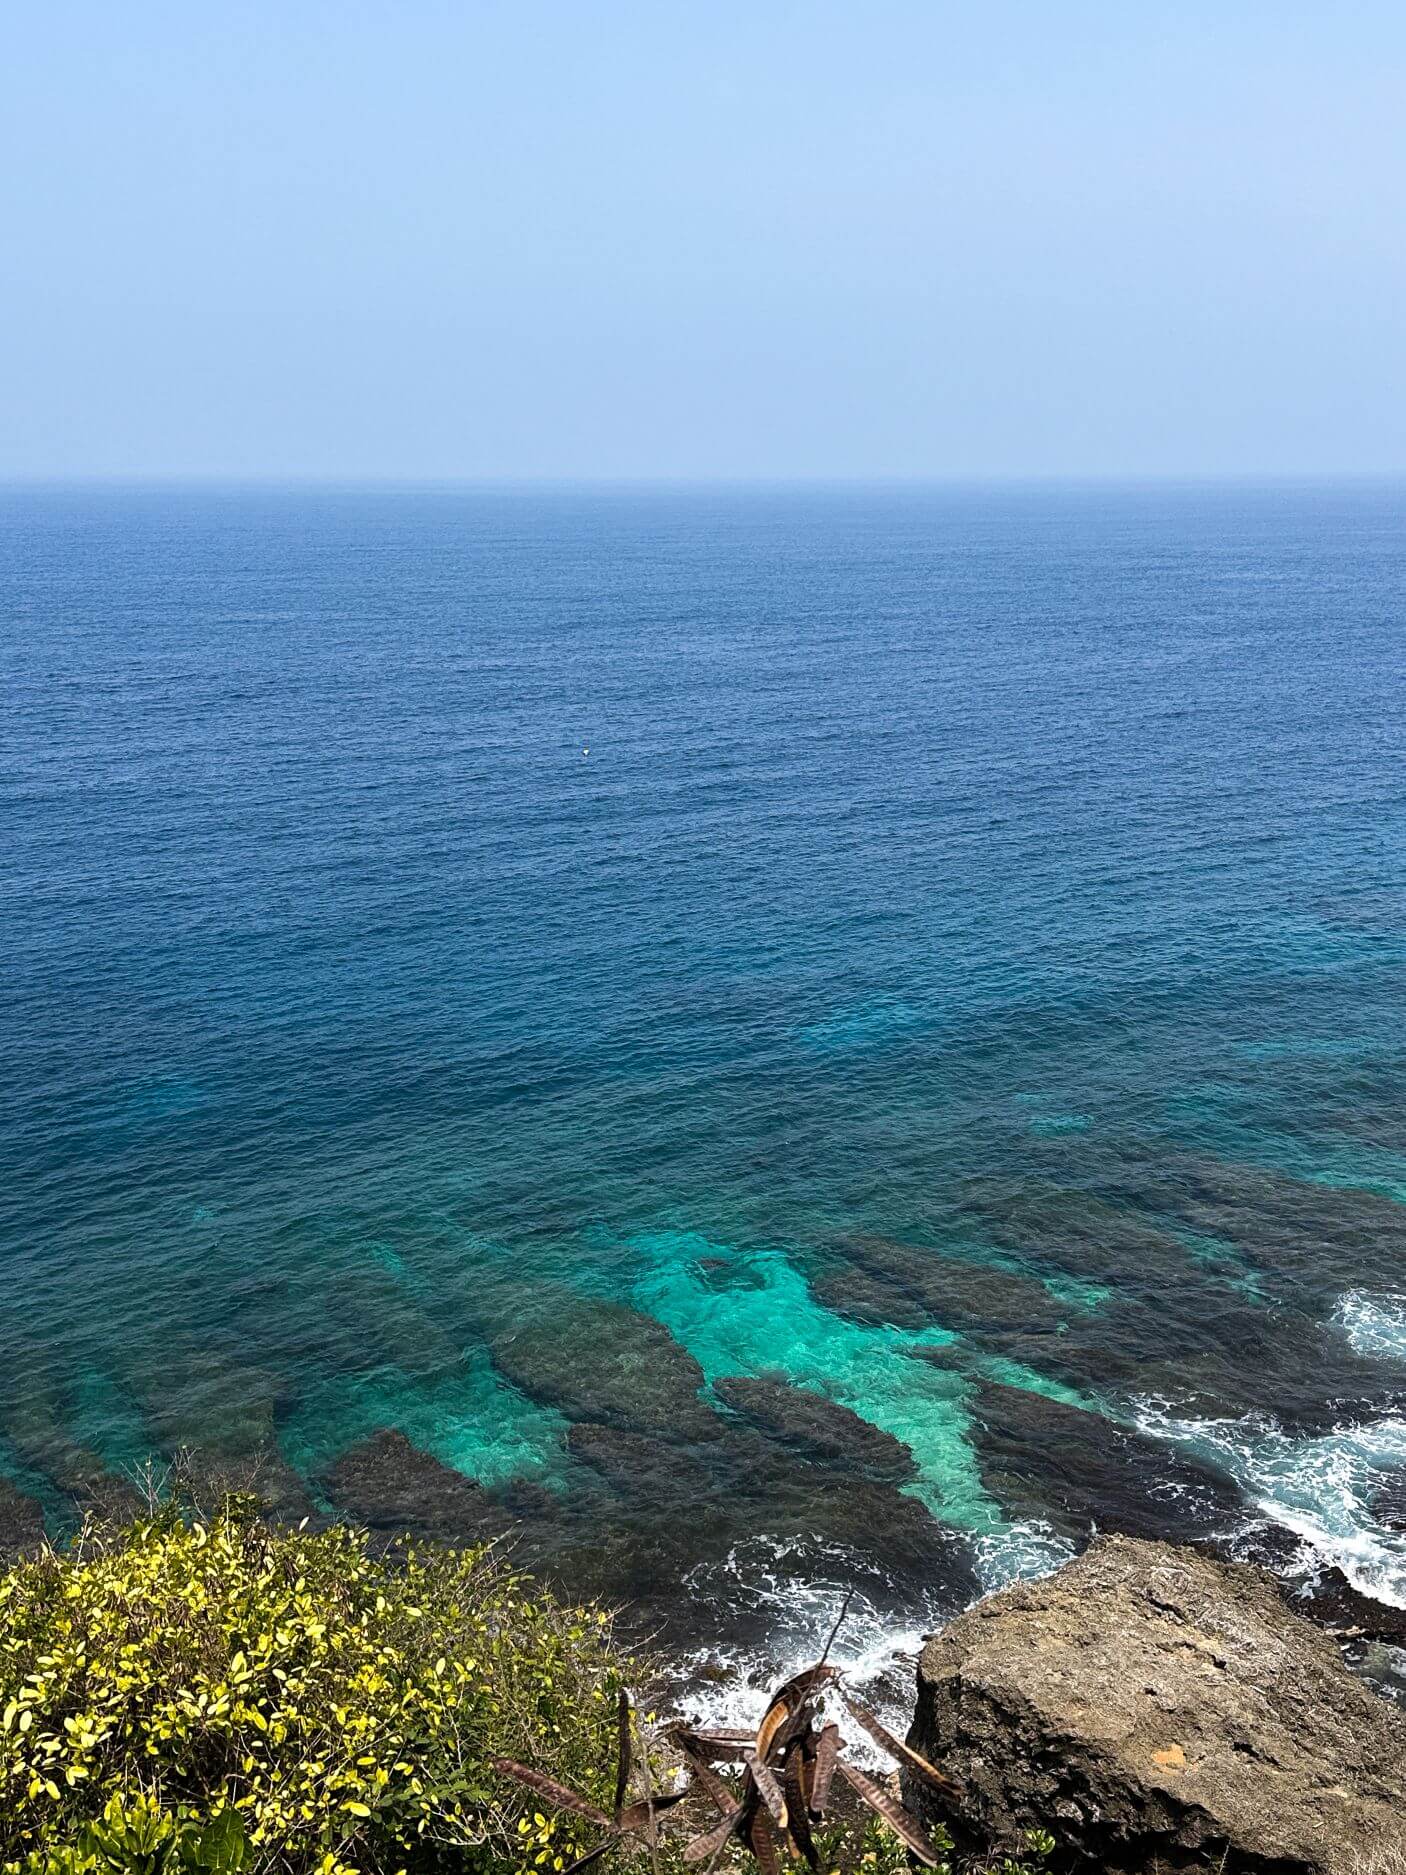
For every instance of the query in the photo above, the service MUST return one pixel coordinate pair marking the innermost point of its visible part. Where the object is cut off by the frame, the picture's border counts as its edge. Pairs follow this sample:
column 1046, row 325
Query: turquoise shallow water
column 433, row 915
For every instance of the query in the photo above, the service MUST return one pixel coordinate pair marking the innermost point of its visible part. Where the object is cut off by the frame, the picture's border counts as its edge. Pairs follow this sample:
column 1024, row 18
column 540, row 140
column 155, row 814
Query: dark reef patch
column 21, row 1521
column 35, row 1418
column 639, row 1466
column 605, row 1363
column 392, row 1487
column 1207, row 1350
column 914, row 1287
column 1310, row 1237
column 1064, row 1228
column 806, row 1423
column 1042, row 1458
column 652, row 1510
column 860, row 1296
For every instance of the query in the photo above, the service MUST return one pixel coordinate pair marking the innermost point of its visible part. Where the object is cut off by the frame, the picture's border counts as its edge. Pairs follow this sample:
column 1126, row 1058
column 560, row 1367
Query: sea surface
column 506, row 968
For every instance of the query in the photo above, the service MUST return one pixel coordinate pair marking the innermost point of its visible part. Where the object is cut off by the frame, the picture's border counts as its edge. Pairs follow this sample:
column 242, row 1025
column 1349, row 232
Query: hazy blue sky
column 537, row 238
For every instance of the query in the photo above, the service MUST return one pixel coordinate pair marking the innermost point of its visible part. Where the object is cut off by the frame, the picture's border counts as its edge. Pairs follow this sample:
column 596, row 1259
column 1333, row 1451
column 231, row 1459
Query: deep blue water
column 430, row 913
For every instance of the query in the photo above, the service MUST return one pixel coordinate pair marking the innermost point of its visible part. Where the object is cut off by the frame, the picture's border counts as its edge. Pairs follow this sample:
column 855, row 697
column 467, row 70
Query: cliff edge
column 1160, row 1710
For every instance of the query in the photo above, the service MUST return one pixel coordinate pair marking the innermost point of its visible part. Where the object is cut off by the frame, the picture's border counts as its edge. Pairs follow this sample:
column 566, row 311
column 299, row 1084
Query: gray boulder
column 1158, row 1710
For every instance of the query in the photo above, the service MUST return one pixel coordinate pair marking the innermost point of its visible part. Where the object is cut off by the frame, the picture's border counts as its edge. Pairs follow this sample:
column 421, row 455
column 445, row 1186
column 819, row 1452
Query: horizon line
column 170, row 479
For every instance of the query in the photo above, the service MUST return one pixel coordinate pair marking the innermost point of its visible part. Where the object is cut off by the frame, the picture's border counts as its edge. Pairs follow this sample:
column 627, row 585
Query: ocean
column 567, row 989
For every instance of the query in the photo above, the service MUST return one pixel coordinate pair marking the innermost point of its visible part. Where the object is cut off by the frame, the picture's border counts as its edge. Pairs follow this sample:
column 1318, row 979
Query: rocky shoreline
column 664, row 1480
column 1156, row 1706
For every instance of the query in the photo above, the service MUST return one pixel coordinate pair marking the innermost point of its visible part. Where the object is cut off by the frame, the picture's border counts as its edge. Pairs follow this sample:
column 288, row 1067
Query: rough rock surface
column 1160, row 1710
column 1330, row 1599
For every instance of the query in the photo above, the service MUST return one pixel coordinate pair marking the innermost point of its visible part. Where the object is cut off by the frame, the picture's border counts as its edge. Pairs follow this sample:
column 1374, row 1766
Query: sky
column 424, row 240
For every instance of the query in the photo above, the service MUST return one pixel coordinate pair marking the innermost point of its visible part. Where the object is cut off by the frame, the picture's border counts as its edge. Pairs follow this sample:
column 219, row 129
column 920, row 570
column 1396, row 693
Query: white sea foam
column 1375, row 1325
column 792, row 1592
column 1020, row 1552
column 1319, row 1488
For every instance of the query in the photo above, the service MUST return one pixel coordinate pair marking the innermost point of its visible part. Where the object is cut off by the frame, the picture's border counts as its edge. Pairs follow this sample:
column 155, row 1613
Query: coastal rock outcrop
column 1331, row 1600
column 1160, row 1710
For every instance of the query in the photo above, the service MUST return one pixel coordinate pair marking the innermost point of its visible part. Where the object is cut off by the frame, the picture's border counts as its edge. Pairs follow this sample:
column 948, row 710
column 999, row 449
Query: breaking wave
column 1375, row 1325
column 1320, row 1489
column 787, row 1596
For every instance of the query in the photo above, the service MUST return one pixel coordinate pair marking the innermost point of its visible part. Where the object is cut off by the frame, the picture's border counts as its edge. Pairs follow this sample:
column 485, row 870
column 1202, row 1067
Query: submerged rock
column 205, row 1477
column 1160, row 1710
column 1331, row 1600
column 859, row 1295
column 1321, row 1238
column 1043, row 1458
column 603, row 1362
column 818, row 1429
column 35, row 1420
column 871, row 1520
column 201, row 1398
column 914, row 1287
column 743, row 1483
column 21, row 1521
column 391, row 1486
column 1081, row 1357
column 216, row 1419
column 1075, row 1230
column 1210, row 1352
column 637, row 1465
column 659, row 1514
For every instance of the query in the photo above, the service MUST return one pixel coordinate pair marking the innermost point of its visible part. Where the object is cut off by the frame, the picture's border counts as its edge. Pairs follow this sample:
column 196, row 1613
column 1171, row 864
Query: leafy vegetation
column 207, row 1693
column 220, row 1695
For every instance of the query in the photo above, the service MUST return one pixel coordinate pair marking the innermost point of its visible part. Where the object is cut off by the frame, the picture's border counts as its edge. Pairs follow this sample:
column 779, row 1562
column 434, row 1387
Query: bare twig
column 839, row 1623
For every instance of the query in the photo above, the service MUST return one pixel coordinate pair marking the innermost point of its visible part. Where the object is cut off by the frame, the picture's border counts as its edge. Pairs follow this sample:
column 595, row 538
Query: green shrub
column 221, row 1695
